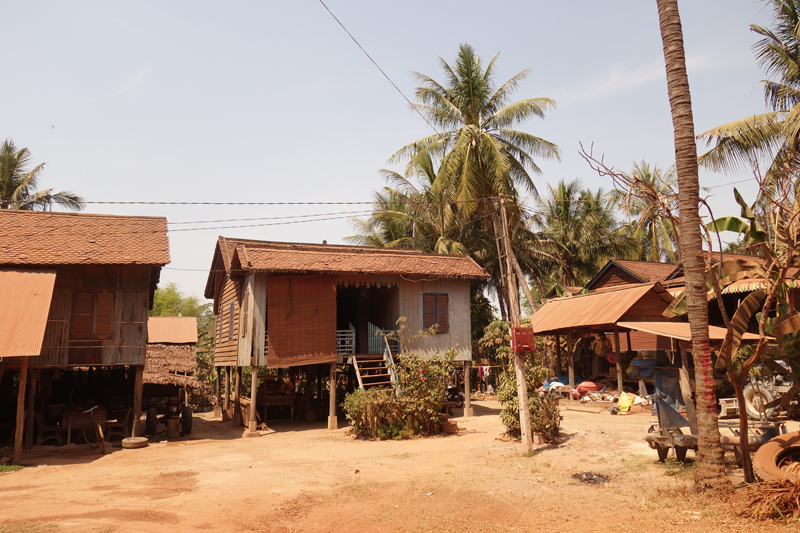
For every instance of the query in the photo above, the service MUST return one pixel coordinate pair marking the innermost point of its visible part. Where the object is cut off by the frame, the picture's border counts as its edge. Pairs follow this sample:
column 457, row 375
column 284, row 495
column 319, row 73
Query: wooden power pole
column 507, row 261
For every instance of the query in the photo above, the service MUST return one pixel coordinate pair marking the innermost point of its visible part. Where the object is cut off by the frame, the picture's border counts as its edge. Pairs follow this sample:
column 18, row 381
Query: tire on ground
column 151, row 422
column 186, row 420
column 134, row 442
column 754, row 398
column 776, row 453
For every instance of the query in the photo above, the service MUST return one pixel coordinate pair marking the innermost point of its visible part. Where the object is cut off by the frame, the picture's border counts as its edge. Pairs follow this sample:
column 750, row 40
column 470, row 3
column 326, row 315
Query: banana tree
column 779, row 256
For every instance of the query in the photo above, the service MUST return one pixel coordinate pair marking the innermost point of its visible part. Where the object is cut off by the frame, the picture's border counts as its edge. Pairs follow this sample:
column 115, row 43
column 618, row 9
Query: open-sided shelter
column 290, row 304
column 76, row 289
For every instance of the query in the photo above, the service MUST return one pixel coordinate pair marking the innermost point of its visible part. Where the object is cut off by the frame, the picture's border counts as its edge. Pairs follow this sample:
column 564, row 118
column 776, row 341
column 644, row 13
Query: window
column 434, row 311
column 93, row 315
column 230, row 320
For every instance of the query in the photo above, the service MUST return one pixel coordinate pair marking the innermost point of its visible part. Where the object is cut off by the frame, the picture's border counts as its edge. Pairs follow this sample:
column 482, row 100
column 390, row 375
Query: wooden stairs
column 372, row 370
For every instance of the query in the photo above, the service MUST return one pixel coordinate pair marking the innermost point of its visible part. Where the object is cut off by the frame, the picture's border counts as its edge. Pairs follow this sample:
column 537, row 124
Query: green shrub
column 381, row 413
column 545, row 417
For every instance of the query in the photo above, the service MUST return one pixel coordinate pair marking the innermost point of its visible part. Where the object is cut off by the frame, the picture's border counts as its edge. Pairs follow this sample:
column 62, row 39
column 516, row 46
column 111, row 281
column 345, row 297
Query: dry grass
column 773, row 500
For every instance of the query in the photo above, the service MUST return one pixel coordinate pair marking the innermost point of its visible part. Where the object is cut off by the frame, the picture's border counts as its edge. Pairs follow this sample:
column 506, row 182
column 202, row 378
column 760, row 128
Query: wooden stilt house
column 293, row 305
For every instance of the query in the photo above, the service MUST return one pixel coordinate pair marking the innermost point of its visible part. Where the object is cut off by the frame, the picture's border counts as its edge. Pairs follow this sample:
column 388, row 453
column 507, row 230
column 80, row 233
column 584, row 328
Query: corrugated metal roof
column 171, row 329
column 589, row 310
column 24, row 305
column 742, row 285
column 680, row 330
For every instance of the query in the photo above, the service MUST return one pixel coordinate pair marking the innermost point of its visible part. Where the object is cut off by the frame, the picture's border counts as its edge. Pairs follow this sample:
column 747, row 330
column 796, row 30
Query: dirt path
column 302, row 477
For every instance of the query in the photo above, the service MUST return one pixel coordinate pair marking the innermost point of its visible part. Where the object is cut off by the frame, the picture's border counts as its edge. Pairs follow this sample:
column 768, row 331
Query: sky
column 197, row 101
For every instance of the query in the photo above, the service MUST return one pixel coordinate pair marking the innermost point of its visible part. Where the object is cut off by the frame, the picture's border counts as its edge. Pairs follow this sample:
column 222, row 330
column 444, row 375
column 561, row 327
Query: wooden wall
column 131, row 287
column 225, row 348
column 460, row 333
column 613, row 277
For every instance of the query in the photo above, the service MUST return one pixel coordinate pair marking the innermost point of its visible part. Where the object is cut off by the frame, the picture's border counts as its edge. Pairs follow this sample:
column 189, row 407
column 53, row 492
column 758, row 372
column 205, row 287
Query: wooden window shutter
column 104, row 316
column 82, row 315
column 230, row 320
column 428, row 310
column 441, row 313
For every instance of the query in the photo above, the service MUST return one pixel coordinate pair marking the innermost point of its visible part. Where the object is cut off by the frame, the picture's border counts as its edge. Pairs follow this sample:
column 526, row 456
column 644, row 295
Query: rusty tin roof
column 36, row 238
column 602, row 308
column 681, row 330
column 171, row 329
column 24, row 305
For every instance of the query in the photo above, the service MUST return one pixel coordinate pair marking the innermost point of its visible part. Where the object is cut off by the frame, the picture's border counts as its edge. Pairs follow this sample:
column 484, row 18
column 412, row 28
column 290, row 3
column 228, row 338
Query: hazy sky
column 268, row 101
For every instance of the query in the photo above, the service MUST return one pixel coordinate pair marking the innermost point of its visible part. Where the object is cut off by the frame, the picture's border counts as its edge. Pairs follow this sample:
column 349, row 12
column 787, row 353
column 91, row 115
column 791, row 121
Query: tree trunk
column 710, row 466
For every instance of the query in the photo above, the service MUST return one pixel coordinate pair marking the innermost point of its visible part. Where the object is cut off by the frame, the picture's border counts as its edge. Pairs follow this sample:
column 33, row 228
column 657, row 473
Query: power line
column 378, row 67
column 268, row 218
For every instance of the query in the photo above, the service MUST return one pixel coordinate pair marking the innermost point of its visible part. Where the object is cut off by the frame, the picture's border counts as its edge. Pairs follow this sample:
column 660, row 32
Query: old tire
column 755, row 399
column 151, row 421
column 186, row 420
column 134, row 442
column 775, row 454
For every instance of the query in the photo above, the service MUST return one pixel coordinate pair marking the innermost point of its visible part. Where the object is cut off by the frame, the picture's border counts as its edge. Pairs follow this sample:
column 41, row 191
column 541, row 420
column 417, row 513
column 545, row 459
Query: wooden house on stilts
column 304, row 306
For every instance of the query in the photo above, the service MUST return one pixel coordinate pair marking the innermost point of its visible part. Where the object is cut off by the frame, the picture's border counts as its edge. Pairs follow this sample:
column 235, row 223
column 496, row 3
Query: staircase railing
column 346, row 341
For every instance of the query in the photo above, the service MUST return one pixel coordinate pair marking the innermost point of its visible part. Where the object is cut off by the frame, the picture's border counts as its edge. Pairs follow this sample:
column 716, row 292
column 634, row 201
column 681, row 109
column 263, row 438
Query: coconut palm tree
column 650, row 198
column 479, row 153
column 575, row 232
column 774, row 135
column 710, row 472
column 18, row 185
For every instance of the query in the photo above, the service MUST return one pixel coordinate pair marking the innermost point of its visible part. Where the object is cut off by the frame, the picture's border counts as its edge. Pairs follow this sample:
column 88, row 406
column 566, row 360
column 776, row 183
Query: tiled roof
column 299, row 258
column 36, row 238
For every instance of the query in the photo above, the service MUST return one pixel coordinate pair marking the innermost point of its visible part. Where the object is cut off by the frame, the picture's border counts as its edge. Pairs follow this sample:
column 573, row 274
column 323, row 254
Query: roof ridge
column 66, row 214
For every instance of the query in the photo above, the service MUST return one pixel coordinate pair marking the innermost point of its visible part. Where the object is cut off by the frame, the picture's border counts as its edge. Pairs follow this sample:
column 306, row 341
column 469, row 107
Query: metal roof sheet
column 171, row 329
column 589, row 310
column 680, row 330
column 24, row 305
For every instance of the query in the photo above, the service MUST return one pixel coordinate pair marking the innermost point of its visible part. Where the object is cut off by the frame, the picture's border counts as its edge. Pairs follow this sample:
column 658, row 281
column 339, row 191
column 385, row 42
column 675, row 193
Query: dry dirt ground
column 303, row 477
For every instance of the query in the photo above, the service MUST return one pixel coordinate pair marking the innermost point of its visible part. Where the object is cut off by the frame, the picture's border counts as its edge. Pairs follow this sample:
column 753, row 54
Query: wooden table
column 276, row 399
column 78, row 419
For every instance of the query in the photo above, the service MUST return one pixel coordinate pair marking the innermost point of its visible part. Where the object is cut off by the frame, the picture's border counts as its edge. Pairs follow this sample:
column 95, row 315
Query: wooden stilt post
column 30, row 408
column 467, row 405
column 23, row 380
column 333, row 422
column 2, row 370
column 237, row 394
column 571, row 360
column 226, row 405
column 558, row 355
column 218, row 401
column 318, row 376
column 686, row 389
column 619, row 358
column 628, row 338
column 138, row 383
column 252, row 427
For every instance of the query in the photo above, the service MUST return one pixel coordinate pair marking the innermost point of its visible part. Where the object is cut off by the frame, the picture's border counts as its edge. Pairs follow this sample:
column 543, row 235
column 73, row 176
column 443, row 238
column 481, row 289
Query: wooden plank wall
column 225, row 350
column 131, row 285
column 613, row 277
column 459, row 312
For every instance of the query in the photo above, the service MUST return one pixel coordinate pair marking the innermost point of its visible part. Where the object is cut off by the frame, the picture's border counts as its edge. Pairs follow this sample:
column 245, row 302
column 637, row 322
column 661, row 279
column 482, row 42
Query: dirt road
column 303, row 477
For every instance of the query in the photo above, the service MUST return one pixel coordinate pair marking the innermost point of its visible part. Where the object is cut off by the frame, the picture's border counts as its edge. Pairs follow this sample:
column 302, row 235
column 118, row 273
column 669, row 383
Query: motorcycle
column 455, row 395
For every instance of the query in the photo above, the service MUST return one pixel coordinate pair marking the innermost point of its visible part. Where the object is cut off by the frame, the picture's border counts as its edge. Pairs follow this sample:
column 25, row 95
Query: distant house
column 76, row 292
column 171, row 351
column 286, row 305
column 618, row 272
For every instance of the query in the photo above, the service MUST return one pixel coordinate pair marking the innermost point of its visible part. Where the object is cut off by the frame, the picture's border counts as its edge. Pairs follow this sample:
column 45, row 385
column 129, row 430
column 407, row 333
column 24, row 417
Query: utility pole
column 507, row 260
